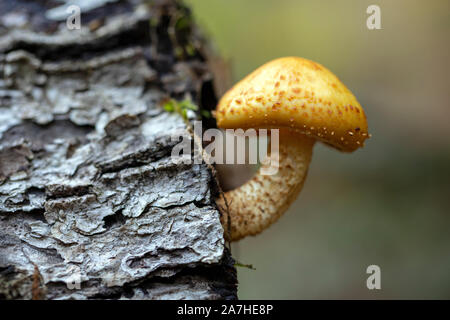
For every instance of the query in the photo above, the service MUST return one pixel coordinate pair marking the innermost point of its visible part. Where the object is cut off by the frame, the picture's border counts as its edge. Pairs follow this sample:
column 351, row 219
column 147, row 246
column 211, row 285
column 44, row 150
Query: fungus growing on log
column 306, row 102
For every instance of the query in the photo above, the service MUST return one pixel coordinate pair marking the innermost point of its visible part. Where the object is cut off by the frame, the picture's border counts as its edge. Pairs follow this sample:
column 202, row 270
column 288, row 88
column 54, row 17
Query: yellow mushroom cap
column 300, row 94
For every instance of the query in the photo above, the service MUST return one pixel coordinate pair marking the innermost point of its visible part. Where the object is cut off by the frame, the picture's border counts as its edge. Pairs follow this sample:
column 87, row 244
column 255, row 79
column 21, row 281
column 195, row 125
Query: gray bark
column 91, row 203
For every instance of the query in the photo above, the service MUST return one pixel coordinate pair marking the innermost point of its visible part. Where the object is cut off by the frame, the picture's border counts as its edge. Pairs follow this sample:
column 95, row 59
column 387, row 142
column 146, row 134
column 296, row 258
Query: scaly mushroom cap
column 296, row 93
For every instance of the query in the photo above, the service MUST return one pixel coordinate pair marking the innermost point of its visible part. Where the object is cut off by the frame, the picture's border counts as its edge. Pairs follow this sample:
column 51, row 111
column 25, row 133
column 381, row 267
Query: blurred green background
column 387, row 204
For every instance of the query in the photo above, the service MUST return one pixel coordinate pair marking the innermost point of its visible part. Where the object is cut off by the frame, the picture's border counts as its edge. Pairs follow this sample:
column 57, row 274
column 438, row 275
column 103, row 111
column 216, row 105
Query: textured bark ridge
column 91, row 204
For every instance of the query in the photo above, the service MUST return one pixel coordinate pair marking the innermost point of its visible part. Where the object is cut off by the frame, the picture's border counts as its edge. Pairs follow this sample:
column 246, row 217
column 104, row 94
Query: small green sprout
column 180, row 107
column 187, row 104
column 248, row 266
column 169, row 106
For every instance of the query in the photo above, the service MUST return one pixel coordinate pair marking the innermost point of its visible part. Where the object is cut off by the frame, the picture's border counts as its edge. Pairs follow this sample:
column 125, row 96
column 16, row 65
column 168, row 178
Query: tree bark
column 91, row 204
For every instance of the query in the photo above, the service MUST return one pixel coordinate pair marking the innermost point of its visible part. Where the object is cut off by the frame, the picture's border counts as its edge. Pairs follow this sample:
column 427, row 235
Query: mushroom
column 306, row 102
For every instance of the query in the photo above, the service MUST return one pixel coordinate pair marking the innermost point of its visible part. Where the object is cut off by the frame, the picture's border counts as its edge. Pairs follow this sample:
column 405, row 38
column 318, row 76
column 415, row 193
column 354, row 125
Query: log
column 92, row 206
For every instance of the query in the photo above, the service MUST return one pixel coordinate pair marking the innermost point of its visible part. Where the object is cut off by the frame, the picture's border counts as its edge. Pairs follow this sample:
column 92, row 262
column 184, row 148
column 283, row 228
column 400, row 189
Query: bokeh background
column 387, row 204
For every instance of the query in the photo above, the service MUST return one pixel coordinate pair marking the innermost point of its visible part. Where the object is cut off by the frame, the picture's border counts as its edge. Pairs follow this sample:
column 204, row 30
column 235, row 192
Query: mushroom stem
column 259, row 202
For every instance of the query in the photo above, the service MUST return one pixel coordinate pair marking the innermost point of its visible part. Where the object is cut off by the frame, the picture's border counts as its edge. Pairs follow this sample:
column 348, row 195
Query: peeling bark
column 91, row 204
